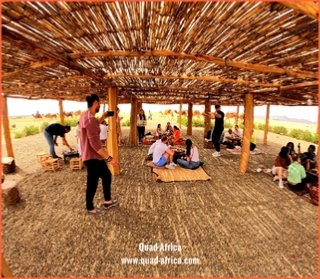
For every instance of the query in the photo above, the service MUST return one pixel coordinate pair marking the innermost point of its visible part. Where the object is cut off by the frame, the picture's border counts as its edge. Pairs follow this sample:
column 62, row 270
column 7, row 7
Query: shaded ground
column 235, row 225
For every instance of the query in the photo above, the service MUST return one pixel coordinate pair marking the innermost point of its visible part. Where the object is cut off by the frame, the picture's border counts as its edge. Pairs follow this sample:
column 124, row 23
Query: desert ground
column 234, row 225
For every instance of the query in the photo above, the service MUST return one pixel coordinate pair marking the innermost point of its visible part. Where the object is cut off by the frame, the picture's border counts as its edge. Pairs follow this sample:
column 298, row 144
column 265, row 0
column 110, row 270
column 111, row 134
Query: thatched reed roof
column 162, row 52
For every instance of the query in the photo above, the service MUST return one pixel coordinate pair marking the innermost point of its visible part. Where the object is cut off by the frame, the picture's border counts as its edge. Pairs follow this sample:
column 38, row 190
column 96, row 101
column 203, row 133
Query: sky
column 22, row 107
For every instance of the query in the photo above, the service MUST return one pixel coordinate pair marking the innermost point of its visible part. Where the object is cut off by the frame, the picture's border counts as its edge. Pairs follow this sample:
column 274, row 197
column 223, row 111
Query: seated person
column 227, row 138
column 152, row 147
column 253, row 141
column 280, row 166
column 237, row 134
column 192, row 155
column 168, row 130
column 296, row 175
column 163, row 154
column 176, row 133
column 209, row 134
column 290, row 146
column 159, row 131
column 308, row 159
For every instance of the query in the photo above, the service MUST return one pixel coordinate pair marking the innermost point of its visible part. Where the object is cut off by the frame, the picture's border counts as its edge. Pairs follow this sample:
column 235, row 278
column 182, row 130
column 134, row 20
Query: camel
column 38, row 116
column 167, row 113
column 231, row 114
column 184, row 113
column 68, row 114
column 50, row 116
column 78, row 113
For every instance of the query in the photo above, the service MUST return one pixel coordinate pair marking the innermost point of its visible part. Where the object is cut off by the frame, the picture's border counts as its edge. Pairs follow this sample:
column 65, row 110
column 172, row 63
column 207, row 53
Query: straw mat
column 179, row 174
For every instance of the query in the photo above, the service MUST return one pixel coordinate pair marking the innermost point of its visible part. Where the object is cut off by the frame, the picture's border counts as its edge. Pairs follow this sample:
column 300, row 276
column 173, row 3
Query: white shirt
column 226, row 136
column 103, row 132
column 194, row 154
column 153, row 146
column 159, row 150
column 238, row 133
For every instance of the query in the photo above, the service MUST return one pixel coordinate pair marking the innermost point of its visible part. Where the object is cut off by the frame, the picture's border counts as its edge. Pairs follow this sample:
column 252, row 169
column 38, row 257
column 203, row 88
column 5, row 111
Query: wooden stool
column 76, row 164
column 10, row 193
column 8, row 165
column 51, row 164
column 42, row 157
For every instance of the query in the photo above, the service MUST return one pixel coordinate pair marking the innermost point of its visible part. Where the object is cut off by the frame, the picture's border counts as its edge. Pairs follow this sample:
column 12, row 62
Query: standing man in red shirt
column 93, row 156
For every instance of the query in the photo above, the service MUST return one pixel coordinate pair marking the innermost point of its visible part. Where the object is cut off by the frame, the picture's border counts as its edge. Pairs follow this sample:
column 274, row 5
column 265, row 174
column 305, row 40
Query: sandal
column 107, row 206
column 99, row 212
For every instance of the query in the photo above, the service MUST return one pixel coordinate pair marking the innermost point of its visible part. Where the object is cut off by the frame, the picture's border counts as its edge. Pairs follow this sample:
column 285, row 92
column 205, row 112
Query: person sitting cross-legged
column 162, row 154
column 192, row 155
column 297, row 177
column 280, row 166
column 308, row 159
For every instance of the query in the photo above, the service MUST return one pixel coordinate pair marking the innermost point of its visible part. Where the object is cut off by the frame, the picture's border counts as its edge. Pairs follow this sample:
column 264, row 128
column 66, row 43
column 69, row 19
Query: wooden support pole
column 190, row 115
column 61, row 112
column 133, row 137
column 207, row 119
column 237, row 116
column 139, row 106
column 6, row 127
column 112, row 142
column 5, row 270
column 247, row 132
column 266, row 128
column 180, row 115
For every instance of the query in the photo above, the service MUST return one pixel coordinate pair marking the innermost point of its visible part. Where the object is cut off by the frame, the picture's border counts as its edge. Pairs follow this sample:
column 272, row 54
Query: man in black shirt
column 218, row 115
column 51, row 133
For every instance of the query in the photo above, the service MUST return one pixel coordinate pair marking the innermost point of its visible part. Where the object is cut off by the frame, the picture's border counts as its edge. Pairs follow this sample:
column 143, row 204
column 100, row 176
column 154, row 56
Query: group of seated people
column 293, row 166
column 162, row 154
column 173, row 133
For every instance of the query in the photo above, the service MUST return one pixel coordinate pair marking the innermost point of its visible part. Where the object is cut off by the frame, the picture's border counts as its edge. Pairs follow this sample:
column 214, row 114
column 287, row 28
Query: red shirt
column 89, row 136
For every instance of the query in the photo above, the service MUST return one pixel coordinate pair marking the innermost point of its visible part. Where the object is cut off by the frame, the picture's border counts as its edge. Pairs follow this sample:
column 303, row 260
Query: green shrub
column 30, row 130
column 197, row 123
column 125, row 123
column 307, row 136
column 69, row 122
column 296, row 133
column 241, row 125
column 228, row 125
column 260, row 126
column 18, row 135
column 315, row 139
column 43, row 125
column 280, row 130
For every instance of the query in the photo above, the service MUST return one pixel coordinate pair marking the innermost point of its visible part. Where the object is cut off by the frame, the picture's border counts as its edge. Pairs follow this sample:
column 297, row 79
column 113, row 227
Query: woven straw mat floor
column 233, row 226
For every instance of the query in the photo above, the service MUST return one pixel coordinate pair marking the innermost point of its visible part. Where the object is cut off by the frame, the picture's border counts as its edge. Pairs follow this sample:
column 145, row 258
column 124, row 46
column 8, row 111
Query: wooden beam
column 180, row 115
column 309, row 9
column 266, row 128
column 237, row 116
column 247, row 132
column 112, row 141
column 5, row 269
column 207, row 119
column 299, row 85
column 215, row 79
column 133, row 136
column 61, row 112
column 6, row 127
column 32, row 66
column 190, row 115
column 198, row 57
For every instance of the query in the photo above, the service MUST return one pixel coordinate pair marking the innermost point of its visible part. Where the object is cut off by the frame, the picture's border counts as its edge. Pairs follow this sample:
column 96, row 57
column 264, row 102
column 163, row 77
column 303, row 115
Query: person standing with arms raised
column 218, row 115
column 93, row 156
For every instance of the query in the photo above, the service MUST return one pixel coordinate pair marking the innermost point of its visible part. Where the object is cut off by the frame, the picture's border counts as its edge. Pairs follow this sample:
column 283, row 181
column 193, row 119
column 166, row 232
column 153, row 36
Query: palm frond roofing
column 161, row 52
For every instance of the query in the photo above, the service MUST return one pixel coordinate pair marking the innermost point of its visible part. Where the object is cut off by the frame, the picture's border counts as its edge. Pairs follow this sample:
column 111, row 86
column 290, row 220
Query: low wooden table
column 70, row 155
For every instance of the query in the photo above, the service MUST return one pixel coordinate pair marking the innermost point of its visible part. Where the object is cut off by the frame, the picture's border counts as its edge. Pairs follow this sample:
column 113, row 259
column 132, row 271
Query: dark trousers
column 252, row 146
column 95, row 169
column 141, row 131
column 298, row 187
column 216, row 134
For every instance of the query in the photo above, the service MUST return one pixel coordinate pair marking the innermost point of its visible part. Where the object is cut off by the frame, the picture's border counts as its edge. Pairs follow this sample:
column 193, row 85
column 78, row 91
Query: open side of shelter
column 231, row 53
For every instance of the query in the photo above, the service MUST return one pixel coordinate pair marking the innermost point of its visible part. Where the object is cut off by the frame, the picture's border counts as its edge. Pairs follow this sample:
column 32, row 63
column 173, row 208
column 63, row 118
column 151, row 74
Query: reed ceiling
column 162, row 52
